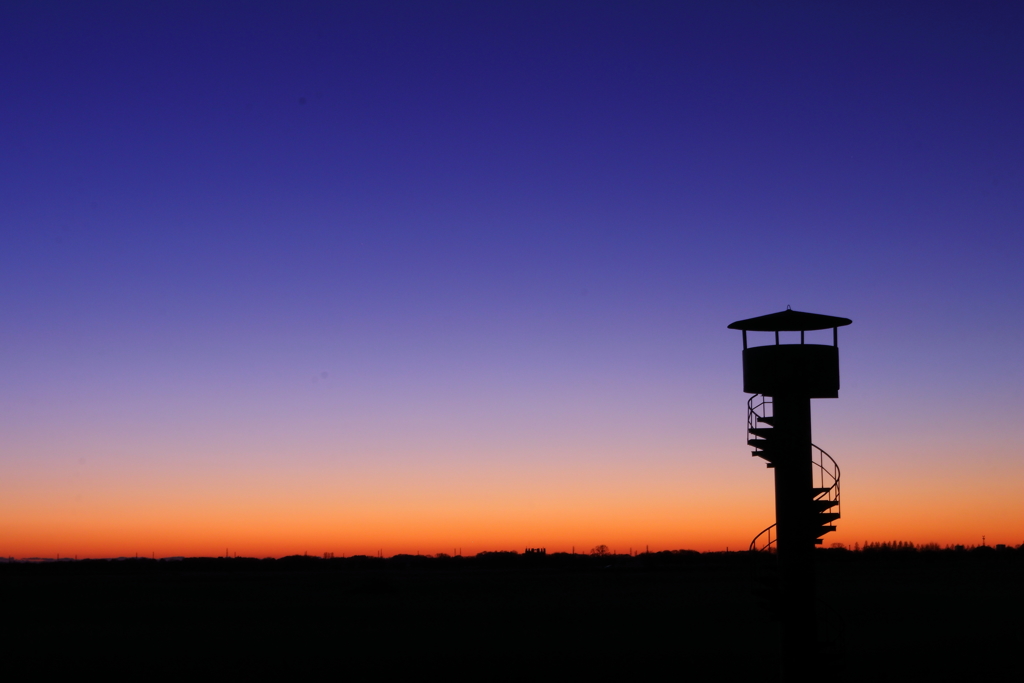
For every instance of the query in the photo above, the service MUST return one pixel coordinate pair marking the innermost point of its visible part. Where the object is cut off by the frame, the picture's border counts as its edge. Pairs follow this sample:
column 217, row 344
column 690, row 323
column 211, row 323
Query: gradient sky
column 414, row 277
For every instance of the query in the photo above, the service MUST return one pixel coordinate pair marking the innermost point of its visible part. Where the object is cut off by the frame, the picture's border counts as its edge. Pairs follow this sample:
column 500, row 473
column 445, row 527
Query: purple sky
column 415, row 236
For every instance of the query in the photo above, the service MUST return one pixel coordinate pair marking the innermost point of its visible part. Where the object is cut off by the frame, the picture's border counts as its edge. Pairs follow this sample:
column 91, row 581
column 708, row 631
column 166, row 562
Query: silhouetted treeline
column 441, row 562
column 502, row 559
column 907, row 546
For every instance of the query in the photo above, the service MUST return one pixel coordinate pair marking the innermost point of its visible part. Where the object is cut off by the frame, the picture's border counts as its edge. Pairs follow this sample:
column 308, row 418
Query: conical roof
column 789, row 321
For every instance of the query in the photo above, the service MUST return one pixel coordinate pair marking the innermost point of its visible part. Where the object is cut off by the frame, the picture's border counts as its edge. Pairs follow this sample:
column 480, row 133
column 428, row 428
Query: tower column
column 794, row 481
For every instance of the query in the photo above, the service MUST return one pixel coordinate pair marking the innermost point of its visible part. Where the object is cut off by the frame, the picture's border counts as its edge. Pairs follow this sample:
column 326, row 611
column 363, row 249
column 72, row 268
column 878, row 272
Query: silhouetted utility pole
column 784, row 378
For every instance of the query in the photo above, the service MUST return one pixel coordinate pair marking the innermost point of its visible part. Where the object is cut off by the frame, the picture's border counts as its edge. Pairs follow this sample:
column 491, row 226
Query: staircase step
column 763, row 432
column 815, row 492
column 758, row 443
column 823, row 504
column 761, row 454
column 767, row 420
column 828, row 516
column 821, row 531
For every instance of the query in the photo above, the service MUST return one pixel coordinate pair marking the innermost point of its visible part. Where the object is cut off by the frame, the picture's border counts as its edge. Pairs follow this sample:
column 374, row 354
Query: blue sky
column 519, row 229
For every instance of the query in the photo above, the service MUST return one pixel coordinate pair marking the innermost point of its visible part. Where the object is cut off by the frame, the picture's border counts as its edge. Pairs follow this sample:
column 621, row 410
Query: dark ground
column 941, row 615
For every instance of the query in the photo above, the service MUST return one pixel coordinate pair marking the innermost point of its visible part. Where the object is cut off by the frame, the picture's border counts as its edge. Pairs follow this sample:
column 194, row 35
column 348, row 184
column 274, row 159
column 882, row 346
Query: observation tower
column 784, row 377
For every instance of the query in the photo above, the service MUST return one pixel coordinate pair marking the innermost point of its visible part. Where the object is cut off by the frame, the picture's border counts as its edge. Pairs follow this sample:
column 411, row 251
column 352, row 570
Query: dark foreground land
column 915, row 615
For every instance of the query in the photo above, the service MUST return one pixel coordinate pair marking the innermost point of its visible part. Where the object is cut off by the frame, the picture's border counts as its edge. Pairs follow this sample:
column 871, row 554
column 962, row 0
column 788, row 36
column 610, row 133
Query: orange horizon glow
column 110, row 507
column 278, row 526
column 259, row 506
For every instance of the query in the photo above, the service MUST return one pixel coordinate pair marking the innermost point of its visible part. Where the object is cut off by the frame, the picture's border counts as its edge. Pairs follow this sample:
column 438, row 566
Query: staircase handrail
column 825, row 469
column 763, row 405
column 769, row 546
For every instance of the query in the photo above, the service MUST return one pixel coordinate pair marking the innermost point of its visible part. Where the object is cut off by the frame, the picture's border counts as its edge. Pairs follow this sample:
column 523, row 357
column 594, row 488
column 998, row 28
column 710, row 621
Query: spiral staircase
column 825, row 506
column 824, row 497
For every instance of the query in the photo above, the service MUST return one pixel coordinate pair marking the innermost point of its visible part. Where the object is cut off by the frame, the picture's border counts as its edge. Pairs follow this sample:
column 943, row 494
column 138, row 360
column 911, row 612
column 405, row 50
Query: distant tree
column 600, row 550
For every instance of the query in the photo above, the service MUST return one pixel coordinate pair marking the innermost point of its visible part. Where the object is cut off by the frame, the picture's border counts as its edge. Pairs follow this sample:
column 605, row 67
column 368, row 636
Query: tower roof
column 789, row 321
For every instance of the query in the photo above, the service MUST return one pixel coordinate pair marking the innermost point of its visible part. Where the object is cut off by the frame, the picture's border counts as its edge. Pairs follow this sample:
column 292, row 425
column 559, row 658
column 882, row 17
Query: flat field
column 893, row 614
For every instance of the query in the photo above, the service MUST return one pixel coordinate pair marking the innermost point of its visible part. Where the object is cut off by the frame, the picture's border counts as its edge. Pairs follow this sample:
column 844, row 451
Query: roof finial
column 788, row 307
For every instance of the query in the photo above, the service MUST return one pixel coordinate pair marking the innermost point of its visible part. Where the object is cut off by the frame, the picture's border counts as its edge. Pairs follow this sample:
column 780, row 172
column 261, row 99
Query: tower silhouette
column 784, row 378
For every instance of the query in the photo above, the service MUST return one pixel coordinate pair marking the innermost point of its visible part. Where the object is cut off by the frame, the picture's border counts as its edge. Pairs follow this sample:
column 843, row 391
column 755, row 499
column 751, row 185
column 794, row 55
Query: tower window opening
column 822, row 337
column 826, row 337
column 790, row 338
column 760, row 338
